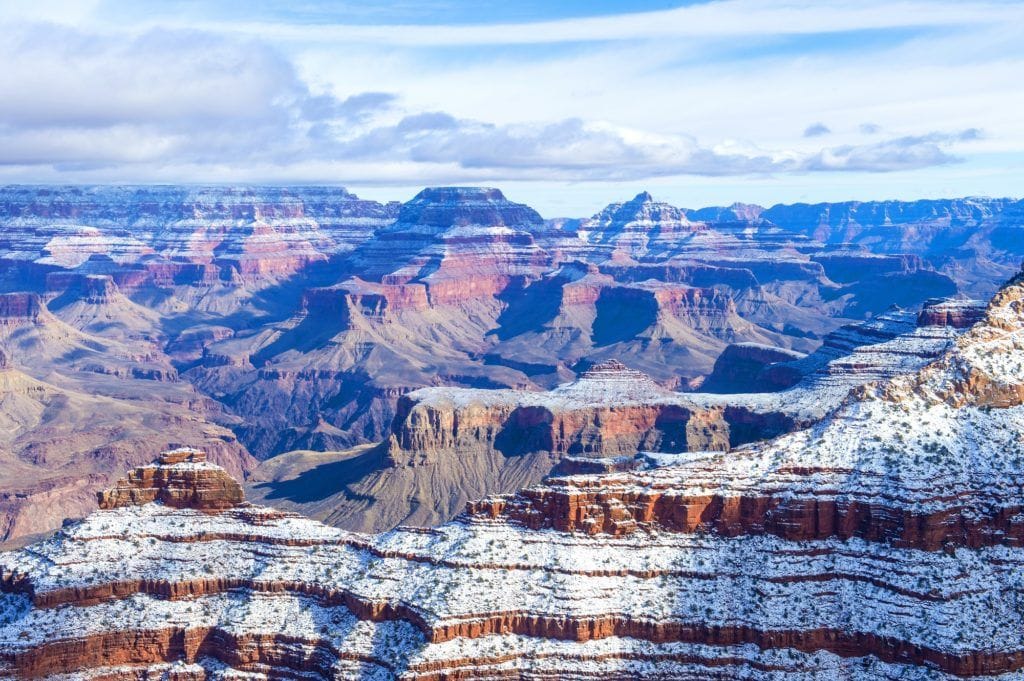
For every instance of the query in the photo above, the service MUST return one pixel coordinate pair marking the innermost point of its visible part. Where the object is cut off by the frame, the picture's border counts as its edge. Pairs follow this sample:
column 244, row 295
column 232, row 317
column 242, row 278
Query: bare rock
column 181, row 478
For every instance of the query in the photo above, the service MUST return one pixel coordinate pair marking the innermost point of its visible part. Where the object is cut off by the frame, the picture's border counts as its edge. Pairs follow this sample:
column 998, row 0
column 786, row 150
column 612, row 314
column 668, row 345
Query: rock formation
column 449, row 446
column 268, row 319
column 884, row 542
column 181, row 478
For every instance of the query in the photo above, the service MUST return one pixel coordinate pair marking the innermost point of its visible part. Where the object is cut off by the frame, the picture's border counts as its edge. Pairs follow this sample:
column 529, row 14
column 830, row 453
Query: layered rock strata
column 884, row 542
column 449, row 446
column 270, row 319
column 608, row 411
column 167, row 236
column 612, row 410
column 181, row 478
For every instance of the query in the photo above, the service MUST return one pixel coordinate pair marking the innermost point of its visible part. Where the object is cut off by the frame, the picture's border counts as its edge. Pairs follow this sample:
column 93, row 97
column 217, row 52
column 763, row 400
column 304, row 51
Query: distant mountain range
column 255, row 321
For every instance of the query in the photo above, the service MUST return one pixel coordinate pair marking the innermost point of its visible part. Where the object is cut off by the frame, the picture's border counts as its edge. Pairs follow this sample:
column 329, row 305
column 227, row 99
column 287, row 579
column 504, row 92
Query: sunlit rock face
column 267, row 320
column 181, row 478
column 884, row 542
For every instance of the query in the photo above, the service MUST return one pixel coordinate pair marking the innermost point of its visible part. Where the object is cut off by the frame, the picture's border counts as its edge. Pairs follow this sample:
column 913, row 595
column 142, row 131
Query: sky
column 566, row 106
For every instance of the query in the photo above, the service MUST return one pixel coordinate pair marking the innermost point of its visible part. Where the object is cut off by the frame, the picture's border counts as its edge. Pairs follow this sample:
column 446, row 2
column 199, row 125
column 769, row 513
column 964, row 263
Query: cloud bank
column 194, row 100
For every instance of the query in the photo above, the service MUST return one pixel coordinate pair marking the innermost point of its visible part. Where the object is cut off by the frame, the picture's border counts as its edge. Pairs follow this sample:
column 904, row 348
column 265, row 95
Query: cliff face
column 612, row 410
column 181, row 478
column 609, row 411
column 268, row 319
column 884, row 542
column 448, row 446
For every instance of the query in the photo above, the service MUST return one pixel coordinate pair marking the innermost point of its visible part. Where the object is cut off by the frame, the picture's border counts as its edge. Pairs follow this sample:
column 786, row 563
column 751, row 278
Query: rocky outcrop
column 181, row 478
column 608, row 411
column 638, row 227
column 19, row 308
column 87, row 394
column 743, row 367
column 885, row 542
column 956, row 313
column 460, row 242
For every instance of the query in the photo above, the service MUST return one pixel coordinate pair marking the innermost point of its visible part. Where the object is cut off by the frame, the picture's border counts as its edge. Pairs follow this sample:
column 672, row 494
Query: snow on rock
column 182, row 478
column 887, row 541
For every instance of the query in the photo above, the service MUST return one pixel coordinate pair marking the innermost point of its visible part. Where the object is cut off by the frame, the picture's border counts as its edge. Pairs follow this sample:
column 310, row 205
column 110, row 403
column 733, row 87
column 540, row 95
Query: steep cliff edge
column 181, row 478
column 930, row 460
column 884, row 542
column 448, row 445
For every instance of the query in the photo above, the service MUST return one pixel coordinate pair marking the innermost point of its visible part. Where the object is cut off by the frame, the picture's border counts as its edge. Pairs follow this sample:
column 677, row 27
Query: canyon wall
column 884, row 542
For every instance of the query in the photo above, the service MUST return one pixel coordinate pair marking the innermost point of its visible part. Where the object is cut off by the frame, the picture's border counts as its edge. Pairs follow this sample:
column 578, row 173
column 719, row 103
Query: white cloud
column 716, row 90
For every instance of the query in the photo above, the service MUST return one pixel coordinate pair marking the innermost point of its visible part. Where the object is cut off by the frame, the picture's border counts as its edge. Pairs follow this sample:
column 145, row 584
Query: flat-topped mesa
column 959, row 314
column 94, row 289
column 608, row 411
column 441, row 208
column 181, row 478
column 616, row 371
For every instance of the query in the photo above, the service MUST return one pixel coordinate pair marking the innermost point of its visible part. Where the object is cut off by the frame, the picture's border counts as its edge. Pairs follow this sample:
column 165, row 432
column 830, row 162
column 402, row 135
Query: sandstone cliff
column 884, row 542
column 449, row 446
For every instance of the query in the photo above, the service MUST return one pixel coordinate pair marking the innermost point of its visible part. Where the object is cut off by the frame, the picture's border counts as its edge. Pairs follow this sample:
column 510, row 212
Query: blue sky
column 565, row 105
column 424, row 12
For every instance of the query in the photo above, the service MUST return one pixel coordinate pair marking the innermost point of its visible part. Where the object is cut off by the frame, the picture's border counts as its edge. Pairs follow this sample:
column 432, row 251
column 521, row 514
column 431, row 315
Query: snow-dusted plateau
column 884, row 541
column 286, row 433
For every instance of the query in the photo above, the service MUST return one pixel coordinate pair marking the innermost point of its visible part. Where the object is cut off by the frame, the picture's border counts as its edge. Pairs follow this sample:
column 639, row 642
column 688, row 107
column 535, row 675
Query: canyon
column 448, row 446
column 885, row 540
column 292, row 332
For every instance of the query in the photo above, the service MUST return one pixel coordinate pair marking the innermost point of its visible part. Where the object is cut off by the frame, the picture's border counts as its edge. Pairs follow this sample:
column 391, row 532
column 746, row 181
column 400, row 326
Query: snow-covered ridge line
column 781, row 572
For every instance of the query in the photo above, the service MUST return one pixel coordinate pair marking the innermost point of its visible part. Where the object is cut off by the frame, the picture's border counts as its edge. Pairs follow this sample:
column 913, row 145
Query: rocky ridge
column 448, row 446
column 267, row 319
column 884, row 542
column 181, row 478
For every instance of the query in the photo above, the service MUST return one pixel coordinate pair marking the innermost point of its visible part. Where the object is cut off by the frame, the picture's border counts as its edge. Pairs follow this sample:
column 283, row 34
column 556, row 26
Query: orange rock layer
column 182, row 480
column 623, row 510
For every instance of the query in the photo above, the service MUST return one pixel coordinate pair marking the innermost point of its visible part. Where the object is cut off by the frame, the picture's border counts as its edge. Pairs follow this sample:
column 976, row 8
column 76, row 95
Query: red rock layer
column 958, row 316
column 16, row 308
column 258, row 651
column 605, row 507
column 423, row 432
column 174, row 482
